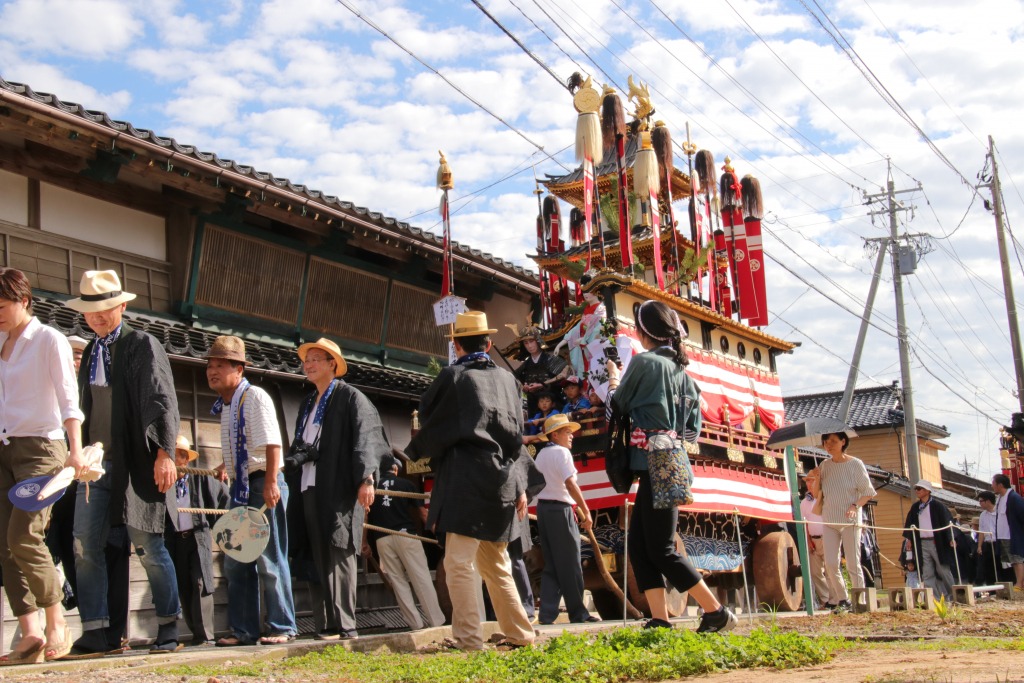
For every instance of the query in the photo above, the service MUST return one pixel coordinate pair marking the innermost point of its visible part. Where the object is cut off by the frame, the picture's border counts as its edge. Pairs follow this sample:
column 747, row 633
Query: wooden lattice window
column 411, row 321
column 345, row 302
column 250, row 276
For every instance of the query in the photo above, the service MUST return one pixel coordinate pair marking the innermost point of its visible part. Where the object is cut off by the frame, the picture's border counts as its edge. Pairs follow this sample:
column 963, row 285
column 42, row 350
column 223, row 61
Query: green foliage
column 948, row 612
column 573, row 269
column 690, row 263
column 622, row 655
column 434, row 367
column 609, row 205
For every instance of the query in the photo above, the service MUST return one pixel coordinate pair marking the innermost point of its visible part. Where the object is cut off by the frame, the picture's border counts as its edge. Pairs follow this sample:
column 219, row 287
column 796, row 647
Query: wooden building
column 211, row 246
column 878, row 419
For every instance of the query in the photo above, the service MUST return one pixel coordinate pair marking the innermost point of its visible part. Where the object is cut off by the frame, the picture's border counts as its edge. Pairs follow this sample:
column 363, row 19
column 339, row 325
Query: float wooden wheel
column 777, row 571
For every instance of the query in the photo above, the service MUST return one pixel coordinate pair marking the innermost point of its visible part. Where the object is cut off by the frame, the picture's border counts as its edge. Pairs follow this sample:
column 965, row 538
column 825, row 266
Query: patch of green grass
column 962, row 644
column 618, row 656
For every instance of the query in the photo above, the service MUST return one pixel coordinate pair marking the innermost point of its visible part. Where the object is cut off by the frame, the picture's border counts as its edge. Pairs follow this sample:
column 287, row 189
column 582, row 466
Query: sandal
column 231, row 641
column 276, row 639
column 33, row 655
column 60, row 648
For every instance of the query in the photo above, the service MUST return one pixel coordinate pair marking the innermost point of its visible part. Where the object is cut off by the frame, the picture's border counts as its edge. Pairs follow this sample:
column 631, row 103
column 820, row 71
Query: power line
column 479, row 105
column 520, row 44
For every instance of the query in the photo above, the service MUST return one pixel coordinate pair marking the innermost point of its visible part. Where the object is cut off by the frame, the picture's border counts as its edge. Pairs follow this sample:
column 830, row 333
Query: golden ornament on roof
column 642, row 96
column 587, row 100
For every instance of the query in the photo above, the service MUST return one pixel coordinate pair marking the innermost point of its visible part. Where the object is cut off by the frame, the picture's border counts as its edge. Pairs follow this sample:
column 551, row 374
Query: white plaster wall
column 98, row 222
column 13, row 198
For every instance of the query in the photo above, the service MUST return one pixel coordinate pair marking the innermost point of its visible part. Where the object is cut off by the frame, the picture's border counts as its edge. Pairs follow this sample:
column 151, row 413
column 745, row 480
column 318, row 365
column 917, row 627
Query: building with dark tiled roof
column 211, row 246
column 877, row 416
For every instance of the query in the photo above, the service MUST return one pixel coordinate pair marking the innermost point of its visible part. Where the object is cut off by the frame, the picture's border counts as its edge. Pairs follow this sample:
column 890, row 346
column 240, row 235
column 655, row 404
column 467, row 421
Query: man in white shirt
column 559, row 536
column 251, row 449
column 816, row 551
column 988, row 556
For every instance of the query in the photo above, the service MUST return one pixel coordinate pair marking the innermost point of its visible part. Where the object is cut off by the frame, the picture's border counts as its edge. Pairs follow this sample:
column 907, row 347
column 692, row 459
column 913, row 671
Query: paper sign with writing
column 447, row 308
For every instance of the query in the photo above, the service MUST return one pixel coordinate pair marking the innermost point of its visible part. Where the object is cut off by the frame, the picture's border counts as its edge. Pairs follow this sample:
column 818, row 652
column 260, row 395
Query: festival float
column 640, row 228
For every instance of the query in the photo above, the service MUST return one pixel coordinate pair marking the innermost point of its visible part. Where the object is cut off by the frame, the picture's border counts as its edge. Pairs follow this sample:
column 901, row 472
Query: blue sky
column 307, row 90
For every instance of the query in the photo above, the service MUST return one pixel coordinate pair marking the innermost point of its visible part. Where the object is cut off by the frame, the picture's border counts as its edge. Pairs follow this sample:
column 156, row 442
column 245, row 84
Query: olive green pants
column 30, row 578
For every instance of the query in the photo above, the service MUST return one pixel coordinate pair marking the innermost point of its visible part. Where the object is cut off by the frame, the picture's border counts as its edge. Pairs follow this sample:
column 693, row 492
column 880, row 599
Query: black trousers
column 652, row 545
column 195, row 596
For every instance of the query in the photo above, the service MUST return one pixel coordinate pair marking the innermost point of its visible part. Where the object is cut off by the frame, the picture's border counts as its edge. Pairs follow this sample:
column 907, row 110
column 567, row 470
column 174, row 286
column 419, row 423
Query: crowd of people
column 118, row 390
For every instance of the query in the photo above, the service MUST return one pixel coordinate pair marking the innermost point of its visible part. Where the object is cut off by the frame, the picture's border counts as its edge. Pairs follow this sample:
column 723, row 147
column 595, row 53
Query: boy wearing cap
column 403, row 559
column 250, row 441
column 559, row 535
column 472, row 430
column 130, row 405
column 931, row 543
column 340, row 438
column 190, row 542
column 575, row 401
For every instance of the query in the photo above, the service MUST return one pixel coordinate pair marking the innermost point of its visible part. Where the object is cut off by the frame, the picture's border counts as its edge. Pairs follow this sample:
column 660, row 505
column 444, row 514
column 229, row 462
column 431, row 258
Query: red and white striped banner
column 723, row 383
column 750, row 493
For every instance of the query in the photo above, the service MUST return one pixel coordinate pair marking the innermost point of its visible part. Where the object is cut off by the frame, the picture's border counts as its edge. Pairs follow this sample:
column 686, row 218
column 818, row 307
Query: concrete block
column 921, row 598
column 900, row 599
column 864, row 599
column 964, row 594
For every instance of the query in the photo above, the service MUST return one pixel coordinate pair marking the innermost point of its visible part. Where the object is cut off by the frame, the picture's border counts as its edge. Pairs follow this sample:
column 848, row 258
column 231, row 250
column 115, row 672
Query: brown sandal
column 33, row 655
column 60, row 649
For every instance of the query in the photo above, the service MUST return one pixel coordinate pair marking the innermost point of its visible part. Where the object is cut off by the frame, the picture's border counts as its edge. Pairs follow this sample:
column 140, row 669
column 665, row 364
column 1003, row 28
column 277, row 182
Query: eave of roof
column 870, row 408
column 274, row 356
column 123, row 132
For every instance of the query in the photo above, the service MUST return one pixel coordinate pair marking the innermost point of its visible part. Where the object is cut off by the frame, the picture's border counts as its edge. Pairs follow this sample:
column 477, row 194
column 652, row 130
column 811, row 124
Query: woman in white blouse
column 38, row 405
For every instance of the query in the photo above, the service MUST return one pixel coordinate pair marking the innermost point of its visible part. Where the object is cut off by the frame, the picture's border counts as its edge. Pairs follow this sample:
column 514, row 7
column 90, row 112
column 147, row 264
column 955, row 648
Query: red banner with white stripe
column 725, row 383
column 750, row 493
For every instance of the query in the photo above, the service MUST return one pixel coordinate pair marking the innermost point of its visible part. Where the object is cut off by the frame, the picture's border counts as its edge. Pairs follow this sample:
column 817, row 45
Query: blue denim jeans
column 92, row 525
column 159, row 568
column 271, row 570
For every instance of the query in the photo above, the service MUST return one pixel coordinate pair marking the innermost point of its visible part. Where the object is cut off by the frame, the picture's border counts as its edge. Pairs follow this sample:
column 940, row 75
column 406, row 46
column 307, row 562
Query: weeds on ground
column 948, row 612
column 621, row 655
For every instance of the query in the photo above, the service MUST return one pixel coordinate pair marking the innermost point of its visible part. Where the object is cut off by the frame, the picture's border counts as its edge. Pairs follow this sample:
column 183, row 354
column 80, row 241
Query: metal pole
column 1011, row 307
column 801, row 535
column 851, row 379
column 909, row 421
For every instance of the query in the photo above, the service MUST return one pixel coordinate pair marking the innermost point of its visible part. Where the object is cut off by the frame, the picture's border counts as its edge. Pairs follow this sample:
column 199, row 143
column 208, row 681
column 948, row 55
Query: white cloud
column 83, row 28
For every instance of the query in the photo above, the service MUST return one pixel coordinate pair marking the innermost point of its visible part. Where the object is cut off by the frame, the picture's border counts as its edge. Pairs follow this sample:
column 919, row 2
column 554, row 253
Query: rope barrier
column 402, row 494
column 382, row 530
column 203, row 511
column 196, row 470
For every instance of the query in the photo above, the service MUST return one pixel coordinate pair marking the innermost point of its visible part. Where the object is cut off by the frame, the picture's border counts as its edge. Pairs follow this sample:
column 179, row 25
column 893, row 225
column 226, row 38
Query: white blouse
column 38, row 385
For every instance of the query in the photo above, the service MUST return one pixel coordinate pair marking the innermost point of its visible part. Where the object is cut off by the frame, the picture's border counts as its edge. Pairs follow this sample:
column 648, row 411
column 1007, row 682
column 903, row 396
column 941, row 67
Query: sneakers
column 657, row 623
column 719, row 621
column 843, row 607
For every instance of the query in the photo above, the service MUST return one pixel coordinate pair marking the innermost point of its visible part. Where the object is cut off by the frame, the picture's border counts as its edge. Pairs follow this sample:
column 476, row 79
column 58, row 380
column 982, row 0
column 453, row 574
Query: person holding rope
column 339, row 444
column 250, row 441
column 472, row 430
column 127, row 394
column 664, row 406
column 929, row 534
column 38, row 404
column 190, row 542
column 402, row 558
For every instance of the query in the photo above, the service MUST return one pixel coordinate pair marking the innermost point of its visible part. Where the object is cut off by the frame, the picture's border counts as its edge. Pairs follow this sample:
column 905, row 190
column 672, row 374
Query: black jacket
column 472, row 430
column 940, row 517
column 144, row 418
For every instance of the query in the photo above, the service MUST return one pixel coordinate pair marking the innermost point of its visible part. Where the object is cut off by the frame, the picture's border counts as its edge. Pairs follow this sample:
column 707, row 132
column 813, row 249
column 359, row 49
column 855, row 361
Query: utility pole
column 1004, row 261
column 907, row 399
column 851, row 379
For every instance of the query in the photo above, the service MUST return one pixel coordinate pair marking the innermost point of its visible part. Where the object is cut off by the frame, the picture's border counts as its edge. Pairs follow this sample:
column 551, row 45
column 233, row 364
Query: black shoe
column 657, row 623
column 829, row 606
column 92, row 643
column 842, row 607
column 166, row 640
column 719, row 621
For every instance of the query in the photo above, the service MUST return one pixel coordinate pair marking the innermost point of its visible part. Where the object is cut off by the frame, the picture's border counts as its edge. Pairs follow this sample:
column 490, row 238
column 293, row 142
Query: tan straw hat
column 229, row 348
column 182, row 444
column 332, row 349
column 100, row 290
column 471, row 324
column 556, row 422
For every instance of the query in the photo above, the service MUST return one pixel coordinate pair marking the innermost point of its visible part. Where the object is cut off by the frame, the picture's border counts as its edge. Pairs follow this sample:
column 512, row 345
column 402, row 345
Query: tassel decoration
column 613, row 118
column 753, row 206
column 588, row 137
column 661, row 141
column 645, row 169
column 704, row 164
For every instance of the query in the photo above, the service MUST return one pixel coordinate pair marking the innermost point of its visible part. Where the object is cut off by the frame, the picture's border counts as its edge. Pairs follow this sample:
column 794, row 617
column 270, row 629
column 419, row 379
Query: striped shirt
column 261, row 428
column 842, row 483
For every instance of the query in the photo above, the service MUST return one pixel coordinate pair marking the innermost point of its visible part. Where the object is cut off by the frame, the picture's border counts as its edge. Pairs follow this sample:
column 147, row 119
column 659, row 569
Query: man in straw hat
column 556, row 521
column 472, row 429
column 190, row 542
column 250, row 440
column 340, row 441
column 127, row 395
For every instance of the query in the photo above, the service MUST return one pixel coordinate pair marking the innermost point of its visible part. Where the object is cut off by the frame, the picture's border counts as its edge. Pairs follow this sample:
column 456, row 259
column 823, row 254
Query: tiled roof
column 873, row 407
column 606, row 166
column 188, row 342
column 214, row 161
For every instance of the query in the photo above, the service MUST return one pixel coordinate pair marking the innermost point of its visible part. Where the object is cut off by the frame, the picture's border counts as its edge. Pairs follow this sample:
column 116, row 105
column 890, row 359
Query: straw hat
column 471, row 324
column 182, row 444
column 556, row 422
column 77, row 343
column 332, row 349
column 227, row 347
column 100, row 290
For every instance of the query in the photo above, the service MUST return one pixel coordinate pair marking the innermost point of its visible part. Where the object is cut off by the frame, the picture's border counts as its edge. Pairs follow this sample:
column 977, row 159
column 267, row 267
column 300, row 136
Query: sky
column 356, row 97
